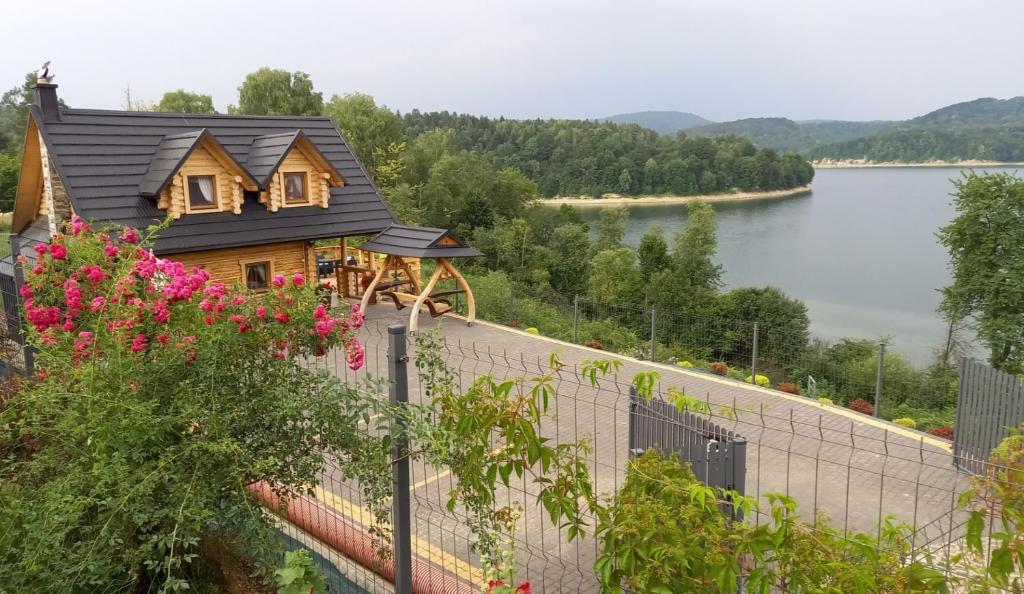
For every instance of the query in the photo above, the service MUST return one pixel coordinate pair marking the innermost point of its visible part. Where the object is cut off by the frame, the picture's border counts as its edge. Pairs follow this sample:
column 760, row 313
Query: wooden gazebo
column 399, row 242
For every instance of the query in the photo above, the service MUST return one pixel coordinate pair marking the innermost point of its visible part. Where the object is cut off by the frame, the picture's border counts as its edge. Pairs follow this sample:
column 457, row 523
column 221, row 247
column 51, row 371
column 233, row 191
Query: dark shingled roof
column 419, row 242
column 170, row 154
column 103, row 157
column 267, row 152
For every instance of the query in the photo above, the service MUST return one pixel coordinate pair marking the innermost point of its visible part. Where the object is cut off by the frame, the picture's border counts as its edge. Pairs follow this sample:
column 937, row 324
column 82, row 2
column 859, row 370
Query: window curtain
column 206, row 188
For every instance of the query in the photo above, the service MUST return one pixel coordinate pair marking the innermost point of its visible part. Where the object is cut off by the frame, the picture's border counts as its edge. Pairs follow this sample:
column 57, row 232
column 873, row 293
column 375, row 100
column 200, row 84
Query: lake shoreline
column 615, row 200
column 858, row 164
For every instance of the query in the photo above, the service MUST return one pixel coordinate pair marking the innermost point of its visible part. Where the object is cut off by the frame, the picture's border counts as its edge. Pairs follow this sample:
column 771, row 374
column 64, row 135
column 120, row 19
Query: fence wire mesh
column 839, row 466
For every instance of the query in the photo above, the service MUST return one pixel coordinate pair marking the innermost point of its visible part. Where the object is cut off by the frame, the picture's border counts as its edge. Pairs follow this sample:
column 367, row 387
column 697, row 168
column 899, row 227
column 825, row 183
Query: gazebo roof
column 419, row 242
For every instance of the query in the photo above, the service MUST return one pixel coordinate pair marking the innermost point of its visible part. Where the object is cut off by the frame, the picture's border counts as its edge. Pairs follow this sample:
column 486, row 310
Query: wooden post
column 414, row 317
column 470, row 301
column 373, row 285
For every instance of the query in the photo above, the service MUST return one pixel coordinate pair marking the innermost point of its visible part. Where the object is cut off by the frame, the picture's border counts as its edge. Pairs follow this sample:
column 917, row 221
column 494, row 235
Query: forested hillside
column 786, row 135
column 982, row 129
column 912, row 146
column 576, row 157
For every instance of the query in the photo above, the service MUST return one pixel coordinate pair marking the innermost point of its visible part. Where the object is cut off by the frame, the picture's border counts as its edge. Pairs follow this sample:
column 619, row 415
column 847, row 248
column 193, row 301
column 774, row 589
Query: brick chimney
column 46, row 99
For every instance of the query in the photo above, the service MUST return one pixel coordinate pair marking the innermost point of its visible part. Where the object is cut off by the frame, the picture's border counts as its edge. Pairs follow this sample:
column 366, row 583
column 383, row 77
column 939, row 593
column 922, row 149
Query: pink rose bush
column 124, row 297
column 159, row 395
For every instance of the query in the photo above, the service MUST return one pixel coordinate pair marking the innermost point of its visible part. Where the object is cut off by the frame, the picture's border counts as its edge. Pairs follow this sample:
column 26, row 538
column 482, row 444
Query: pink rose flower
column 298, row 280
column 278, row 280
column 130, row 235
column 58, row 252
column 139, row 343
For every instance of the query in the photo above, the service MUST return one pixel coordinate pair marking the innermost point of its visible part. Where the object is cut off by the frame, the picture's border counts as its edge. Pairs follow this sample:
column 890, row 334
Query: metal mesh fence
column 840, row 467
column 845, row 373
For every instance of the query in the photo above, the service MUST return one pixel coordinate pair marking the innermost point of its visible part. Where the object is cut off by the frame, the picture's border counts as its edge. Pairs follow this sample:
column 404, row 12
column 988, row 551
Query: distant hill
column 982, row 129
column 662, row 122
column 924, row 145
column 786, row 135
column 980, row 113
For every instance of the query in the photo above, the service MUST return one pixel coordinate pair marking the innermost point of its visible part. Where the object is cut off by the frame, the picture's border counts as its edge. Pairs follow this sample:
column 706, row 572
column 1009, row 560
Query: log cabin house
column 249, row 196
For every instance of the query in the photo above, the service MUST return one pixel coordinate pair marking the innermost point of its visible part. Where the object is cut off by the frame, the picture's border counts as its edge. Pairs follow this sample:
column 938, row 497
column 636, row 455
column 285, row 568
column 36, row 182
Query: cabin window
column 202, row 192
column 296, row 188
column 257, row 275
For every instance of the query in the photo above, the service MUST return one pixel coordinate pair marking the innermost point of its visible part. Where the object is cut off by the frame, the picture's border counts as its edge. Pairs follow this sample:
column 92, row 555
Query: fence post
column 738, row 472
column 400, row 505
column 753, row 358
column 575, row 319
column 879, row 377
column 19, row 280
column 654, row 344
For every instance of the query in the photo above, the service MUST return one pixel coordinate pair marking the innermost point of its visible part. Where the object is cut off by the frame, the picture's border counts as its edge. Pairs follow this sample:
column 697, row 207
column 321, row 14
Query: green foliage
column 614, row 277
column 992, row 561
column 299, row 575
column 125, row 463
column 611, row 228
column 783, row 324
column 10, row 169
column 464, row 192
column 269, row 91
column 663, row 531
column 182, row 101
column 568, row 267
column 369, row 129
column 666, row 532
column 905, row 422
column 653, row 252
column 587, row 158
column 915, row 146
column 986, row 251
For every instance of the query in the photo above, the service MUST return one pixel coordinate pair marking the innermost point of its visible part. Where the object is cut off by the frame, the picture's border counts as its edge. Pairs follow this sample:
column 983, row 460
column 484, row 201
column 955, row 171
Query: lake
column 860, row 250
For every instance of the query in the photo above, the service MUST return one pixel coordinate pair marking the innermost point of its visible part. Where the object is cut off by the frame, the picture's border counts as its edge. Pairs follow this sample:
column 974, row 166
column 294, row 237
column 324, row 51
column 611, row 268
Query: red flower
column 139, row 343
column 58, row 252
column 298, row 280
column 524, row 588
column 278, row 280
column 130, row 235
column 282, row 316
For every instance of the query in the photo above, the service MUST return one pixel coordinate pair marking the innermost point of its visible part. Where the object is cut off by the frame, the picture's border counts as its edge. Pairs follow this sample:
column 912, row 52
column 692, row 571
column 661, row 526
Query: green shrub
column 761, row 380
column 532, row 330
column 299, row 575
column 824, row 400
column 684, row 364
column 905, row 422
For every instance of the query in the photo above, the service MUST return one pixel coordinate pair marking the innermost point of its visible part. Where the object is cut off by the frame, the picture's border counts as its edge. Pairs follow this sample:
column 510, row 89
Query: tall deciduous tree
column 986, row 253
column 695, row 247
column 611, row 228
column 568, row 266
column 369, row 128
column 614, row 276
column 278, row 92
column 653, row 252
column 182, row 101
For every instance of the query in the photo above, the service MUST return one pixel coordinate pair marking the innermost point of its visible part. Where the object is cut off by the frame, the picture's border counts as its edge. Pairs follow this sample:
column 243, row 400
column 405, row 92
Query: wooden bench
column 437, row 307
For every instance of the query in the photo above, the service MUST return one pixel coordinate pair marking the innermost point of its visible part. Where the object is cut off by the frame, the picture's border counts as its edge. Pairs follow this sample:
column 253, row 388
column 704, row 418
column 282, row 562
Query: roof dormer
column 192, row 173
column 291, row 171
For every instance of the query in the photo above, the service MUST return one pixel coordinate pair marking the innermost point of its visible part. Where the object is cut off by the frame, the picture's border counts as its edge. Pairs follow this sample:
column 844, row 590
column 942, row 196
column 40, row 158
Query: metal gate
column 717, row 456
column 990, row 403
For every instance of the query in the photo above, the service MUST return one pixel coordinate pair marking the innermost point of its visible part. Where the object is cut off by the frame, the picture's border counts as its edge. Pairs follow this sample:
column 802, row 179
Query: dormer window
column 296, row 188
column 202, row 193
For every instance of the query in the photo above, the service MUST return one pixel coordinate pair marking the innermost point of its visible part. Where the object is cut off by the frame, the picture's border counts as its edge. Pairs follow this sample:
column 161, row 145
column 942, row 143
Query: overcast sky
column 722, row 59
